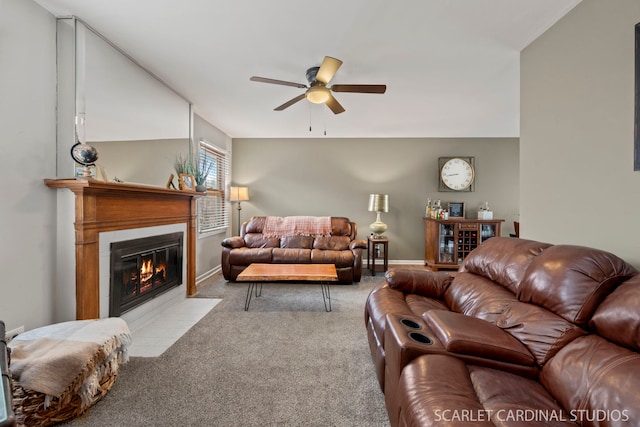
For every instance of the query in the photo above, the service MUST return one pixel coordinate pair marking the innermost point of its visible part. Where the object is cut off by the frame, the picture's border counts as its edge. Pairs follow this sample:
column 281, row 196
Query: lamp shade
column 238, row 194
column 378, row 203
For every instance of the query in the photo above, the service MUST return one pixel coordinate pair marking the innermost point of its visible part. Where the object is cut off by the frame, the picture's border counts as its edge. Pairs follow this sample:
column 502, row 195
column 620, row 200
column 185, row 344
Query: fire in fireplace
column 142, row 269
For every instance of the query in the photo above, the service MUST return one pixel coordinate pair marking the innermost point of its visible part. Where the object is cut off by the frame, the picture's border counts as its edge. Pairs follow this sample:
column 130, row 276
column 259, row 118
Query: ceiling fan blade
column 290, row 102
column 277, row 82
column 359, row 88
column 328, row 69
column 334, row 105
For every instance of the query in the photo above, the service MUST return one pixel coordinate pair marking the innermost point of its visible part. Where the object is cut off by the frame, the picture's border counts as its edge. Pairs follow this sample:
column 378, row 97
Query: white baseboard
column 204, row 276
column 406, row 262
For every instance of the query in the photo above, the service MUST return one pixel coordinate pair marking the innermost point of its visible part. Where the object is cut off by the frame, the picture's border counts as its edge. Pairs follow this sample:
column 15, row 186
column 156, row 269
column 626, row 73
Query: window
column 212, row 208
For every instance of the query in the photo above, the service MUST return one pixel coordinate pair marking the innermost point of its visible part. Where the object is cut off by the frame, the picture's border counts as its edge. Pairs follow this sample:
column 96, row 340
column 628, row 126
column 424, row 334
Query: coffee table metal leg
column 247, row 300
column 326, row 295
column 257, row 288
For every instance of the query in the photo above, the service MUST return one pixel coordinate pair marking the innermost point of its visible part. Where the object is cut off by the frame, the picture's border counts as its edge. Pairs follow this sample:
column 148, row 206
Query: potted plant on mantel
column 200, row 171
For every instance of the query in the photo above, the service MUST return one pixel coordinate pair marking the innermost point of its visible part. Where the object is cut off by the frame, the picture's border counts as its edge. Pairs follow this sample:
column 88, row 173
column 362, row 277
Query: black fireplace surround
column 142, row 269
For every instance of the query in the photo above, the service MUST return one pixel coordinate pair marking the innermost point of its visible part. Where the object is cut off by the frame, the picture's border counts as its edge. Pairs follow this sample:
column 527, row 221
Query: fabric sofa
column 524, row 333
column 338, row 245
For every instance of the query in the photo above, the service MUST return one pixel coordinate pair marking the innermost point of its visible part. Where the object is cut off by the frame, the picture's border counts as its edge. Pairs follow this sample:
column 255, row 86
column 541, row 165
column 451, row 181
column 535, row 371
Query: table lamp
column 378, row 203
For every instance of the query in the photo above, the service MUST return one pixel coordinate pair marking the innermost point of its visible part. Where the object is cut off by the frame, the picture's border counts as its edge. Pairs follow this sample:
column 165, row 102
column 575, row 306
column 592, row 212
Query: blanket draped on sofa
column 314, row 226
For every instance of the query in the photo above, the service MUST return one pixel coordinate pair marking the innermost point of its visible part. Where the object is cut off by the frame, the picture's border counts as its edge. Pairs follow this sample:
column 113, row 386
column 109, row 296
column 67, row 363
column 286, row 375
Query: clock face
column 457, row 174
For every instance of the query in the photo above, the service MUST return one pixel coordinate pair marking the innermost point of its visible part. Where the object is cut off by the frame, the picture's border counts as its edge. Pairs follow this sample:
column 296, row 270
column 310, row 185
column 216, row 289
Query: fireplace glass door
column 142, row 269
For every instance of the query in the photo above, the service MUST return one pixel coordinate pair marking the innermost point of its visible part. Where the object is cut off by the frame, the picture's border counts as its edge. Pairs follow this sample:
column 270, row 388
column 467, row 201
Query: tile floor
column 158, row 334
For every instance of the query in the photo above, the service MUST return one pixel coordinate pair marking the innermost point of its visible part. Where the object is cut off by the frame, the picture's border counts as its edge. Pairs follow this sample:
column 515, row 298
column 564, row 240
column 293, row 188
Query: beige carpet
column 285, row 362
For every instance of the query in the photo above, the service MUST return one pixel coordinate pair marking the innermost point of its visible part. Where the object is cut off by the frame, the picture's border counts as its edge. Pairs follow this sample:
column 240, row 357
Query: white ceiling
column 451, row 66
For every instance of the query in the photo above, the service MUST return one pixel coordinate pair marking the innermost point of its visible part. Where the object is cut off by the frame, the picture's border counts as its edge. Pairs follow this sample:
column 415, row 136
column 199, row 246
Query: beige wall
column 208, row 248
column 327, row 176
column 141, row 162
column 577, row 116
column 28, row 134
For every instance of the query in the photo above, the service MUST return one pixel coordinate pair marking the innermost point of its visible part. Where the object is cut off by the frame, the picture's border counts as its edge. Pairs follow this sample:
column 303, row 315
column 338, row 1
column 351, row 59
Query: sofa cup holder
column 421, row 338
column 410, row 323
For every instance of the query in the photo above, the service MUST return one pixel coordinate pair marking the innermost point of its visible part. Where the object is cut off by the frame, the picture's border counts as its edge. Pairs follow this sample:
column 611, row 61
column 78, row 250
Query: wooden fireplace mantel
column 109, row 206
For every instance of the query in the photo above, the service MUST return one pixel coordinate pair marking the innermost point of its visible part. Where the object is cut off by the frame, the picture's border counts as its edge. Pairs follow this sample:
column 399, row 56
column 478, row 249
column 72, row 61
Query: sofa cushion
column 339, row 258
column 516, row 401
column 439, row 390
column 503, row 260
column 476, row 337
column 341, row 226
column 478, row 296
column 572, row 280
column 596, row 377
column 421, row 282
column 618, row 317
column 291, row 256
column 541, row 331
column 334, row 243
column 246, row 256
column 255, row 224
column 297, row 242
column 256, row 240
column 433, row 388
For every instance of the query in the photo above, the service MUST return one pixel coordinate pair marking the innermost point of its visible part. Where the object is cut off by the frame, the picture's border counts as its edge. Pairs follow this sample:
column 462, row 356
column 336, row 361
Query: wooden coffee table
column 260, row 273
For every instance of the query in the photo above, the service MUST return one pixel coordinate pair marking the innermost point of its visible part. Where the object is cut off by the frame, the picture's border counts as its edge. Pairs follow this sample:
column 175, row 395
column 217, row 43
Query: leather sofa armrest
column 423, row 282
column 358, row 243
column 468, row 335
column 233, row 242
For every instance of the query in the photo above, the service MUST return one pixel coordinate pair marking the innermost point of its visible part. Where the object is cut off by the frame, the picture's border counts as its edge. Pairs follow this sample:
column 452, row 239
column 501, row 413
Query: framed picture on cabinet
column 456, row 209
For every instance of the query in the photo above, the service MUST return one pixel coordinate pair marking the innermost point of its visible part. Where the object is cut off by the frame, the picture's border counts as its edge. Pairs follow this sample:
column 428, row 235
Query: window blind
column 212, row 209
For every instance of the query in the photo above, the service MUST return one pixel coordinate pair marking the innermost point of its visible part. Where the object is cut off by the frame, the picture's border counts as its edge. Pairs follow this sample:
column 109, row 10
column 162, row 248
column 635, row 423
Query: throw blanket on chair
column 315, row 226
column 69, row 358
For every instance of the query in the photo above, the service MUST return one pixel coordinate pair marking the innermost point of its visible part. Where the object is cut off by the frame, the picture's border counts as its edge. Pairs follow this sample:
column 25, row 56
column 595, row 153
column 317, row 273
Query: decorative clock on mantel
column 457, row 174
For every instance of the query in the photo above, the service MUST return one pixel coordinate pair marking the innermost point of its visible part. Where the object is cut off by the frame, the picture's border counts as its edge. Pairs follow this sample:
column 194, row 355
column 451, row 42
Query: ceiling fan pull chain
column 324, row 119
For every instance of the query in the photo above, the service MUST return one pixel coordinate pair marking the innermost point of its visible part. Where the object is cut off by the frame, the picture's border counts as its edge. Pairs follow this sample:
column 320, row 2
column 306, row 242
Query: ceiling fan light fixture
column 318, row 94
column 317, row 91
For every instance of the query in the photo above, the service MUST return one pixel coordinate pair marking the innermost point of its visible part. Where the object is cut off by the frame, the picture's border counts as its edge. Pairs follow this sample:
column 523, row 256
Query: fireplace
column 102, row 208
column 143, row 268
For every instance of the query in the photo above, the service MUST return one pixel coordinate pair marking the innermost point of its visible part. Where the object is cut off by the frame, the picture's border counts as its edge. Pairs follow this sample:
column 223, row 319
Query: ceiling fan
column 317, row 91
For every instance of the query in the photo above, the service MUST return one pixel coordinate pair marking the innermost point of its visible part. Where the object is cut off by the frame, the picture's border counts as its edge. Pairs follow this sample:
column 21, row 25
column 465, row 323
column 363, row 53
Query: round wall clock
column 456, row 173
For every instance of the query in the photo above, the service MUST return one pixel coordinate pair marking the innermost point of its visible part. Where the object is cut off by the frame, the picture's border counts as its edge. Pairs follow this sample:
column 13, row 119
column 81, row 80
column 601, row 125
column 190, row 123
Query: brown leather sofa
column 524, row 334
column 341, row 248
